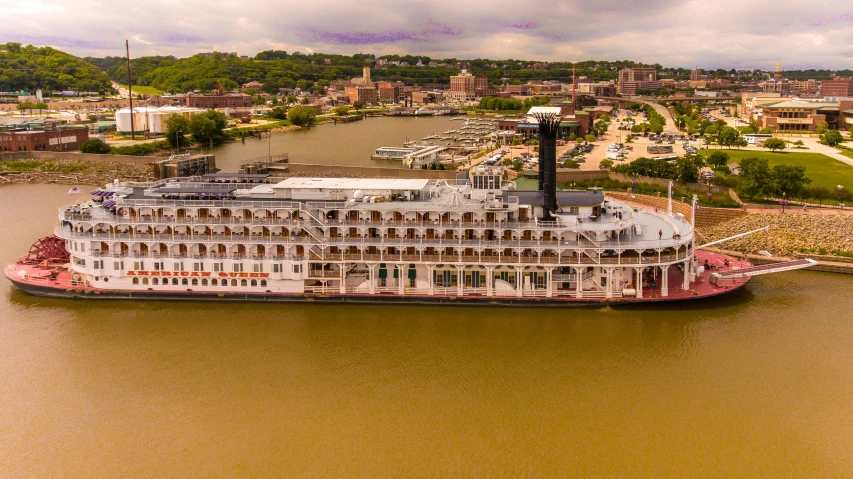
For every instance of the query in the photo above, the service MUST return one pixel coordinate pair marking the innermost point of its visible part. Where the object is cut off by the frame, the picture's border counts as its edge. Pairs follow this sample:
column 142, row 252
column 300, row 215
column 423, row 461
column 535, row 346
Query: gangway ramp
column 721, row 278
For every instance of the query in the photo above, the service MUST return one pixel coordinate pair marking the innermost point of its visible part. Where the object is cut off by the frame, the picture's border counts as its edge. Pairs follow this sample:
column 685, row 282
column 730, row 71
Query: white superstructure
column 348, row 236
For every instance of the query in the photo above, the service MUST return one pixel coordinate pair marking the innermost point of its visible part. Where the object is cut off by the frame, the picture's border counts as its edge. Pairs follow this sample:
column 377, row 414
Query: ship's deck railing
column 343, row 241
column 236, row 203
column 520, row 260
column 532, row 225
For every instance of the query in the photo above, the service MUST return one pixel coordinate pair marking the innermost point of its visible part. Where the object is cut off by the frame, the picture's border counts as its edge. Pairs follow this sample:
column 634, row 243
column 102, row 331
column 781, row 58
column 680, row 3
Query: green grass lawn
column 146, row 90
column 823, row 170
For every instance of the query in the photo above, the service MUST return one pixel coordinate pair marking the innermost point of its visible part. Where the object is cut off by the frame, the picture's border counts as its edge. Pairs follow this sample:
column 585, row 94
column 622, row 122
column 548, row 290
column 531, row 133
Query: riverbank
column 71, row 172
column 788, row 234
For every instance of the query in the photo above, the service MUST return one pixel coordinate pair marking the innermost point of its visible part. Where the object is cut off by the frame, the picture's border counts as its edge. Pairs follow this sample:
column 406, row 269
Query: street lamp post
column 178, row 142
column 784, row 201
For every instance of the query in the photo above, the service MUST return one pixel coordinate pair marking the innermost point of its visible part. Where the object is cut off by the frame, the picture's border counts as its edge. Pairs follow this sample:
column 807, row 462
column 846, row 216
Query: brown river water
column 349, row 144
column 757, row 384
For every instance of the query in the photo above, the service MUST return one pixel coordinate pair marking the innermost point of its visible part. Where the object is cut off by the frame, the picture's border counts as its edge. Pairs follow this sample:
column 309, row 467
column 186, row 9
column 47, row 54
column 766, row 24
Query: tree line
column 29, row 68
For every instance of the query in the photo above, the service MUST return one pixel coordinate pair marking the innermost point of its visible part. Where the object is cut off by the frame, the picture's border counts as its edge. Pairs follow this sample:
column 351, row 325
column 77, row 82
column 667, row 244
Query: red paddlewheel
column 50, row 249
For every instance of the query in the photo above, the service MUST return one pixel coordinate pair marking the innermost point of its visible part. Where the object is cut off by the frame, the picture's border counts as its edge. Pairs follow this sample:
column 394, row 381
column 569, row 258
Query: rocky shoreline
column 788, row 234
column 71, row 172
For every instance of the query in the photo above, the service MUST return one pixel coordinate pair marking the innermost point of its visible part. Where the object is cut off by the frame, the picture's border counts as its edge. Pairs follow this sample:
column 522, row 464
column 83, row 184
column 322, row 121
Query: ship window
column 135, row 281
column 145, row 281
column 254, row 282
column 194, row 282
column 243, row 282
column 204, row 282
column 178, row 266
column 276, row 268
column 175, row 281
column 233, row 282
column 258, row 268
column 263, row 282
column 214, row 282
column 238, row 267
column 198, row 266
column 155, row 281
column 106, row 280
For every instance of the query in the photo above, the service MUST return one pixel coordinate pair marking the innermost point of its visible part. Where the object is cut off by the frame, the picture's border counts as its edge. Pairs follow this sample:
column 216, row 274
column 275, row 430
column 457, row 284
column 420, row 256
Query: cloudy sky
column 686, row 33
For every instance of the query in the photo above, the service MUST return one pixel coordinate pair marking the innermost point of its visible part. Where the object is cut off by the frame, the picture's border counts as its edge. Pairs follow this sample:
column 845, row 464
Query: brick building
column 466, row 86
column 229, row 100
column 519, row 89
column 838, row 86
column 800, row 115
column 366, row 95
column 696, row 74
column 632, row 79
column 389, row 91
column 64, row 139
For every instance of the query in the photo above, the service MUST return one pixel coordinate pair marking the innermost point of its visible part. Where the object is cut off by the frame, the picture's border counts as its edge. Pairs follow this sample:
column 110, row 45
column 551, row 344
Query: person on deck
column 660, row 234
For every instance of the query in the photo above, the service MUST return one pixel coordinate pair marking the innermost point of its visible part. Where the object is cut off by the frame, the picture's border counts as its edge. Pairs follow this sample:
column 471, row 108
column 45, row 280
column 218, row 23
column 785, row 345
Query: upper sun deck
column 378, row 194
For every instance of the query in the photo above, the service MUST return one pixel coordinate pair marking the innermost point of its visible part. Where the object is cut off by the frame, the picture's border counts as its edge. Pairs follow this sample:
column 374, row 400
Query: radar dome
column 358, row 194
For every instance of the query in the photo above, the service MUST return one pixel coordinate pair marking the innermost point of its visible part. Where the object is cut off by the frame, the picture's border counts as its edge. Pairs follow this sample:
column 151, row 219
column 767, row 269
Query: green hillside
column 29, row 68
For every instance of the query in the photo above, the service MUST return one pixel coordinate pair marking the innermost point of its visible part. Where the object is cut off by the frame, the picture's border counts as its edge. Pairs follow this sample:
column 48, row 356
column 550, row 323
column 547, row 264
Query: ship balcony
column 582, row 225
column 308, row 240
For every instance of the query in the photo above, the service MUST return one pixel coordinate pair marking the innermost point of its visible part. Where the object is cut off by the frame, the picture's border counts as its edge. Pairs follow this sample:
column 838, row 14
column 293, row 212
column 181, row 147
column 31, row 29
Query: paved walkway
column 798, row 210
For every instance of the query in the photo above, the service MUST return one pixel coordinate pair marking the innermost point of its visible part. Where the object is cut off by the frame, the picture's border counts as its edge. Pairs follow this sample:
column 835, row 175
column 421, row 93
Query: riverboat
column 473, row 240
column 366, row 240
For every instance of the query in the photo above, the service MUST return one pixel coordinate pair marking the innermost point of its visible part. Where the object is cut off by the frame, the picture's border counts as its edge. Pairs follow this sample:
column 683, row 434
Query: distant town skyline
column 674, row 33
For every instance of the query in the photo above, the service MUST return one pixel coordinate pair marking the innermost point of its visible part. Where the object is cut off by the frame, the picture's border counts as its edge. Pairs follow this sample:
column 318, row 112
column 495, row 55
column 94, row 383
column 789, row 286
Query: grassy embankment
column 823, row 170
column 146, row 90
column 718, row 200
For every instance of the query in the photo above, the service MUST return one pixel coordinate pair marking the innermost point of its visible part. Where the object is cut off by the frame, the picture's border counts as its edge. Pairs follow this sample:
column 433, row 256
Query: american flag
column 74, row 191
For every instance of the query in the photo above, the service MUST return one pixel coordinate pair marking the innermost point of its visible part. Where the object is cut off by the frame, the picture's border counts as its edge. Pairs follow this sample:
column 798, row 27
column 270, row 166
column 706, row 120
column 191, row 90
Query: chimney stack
column 549, row 124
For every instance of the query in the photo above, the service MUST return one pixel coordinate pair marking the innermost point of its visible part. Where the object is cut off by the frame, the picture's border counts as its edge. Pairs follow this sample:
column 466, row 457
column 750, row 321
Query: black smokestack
column 549, row 125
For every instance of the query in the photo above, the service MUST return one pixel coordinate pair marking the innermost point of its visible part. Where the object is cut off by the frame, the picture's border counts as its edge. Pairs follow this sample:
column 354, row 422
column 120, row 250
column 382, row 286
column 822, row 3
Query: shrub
column 95, row 145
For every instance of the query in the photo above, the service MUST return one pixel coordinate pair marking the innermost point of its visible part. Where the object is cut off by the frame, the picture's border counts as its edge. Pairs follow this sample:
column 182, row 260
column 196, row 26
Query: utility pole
column 574, row 86
column 130, row 91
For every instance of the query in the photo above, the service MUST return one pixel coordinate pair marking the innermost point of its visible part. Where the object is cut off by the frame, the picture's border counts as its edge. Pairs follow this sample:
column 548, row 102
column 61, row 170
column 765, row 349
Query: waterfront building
column 49, row 137
column 390, row 91
column 366, row 95
column 466, row 86
column 228, row 100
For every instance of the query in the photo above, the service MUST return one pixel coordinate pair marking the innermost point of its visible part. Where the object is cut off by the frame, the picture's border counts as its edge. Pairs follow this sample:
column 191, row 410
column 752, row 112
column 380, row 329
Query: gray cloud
column 723, row 33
